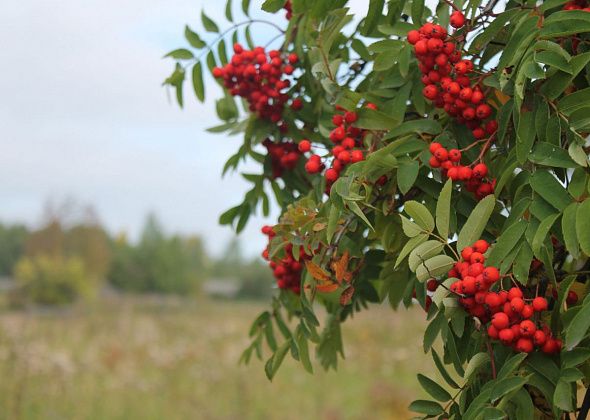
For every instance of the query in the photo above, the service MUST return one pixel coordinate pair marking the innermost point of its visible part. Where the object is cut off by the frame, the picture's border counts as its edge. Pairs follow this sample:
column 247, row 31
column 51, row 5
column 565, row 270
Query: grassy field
column 130, row 359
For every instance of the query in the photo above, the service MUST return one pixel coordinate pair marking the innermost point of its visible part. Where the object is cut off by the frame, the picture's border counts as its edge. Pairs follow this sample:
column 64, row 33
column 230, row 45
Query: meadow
column 128, row 358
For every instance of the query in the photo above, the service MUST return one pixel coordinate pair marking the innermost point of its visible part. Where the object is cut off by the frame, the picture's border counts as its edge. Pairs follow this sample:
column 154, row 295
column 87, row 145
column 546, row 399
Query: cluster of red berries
column 514, row 325
column 445, row 75
column 509, row 314
column 287, row 270
column 348, row 142
column 577, row 5
column 283, row 156
column 450, row 163
column 260, row 78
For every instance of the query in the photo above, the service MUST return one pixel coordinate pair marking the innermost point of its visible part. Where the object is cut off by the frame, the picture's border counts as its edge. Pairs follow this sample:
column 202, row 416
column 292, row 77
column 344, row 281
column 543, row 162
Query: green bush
column 52, row 281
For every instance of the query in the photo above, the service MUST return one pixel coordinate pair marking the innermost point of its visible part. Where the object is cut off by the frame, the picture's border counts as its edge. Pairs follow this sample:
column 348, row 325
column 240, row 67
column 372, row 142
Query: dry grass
column 130, row 359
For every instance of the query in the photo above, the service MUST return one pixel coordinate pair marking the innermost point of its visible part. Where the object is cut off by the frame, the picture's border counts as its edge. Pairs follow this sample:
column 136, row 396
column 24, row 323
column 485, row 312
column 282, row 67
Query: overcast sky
column 83, row 115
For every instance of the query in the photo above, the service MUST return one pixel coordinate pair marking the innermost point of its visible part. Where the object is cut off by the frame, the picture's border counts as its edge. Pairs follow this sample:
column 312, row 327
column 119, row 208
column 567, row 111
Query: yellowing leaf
column 502, row 98
column 340, row 266
column 317, row 272
column 346, row 296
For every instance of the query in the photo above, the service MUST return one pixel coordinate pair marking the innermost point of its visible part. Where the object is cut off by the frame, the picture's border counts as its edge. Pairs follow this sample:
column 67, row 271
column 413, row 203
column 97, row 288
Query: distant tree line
column 71, row 258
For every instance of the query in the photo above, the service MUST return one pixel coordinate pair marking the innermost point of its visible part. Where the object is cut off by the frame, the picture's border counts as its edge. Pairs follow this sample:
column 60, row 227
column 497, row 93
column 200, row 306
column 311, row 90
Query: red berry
column 357, row 156
column 434, row 146
column 514, row 292
column 476, row 97
column 304, row 146
column 539, row 338
column 527, row 312
column 468, row 114
column 572, row 298
column 500, row 320
column 493, row 300
column 491, row 127
column 491, row 274
column 430, row 92
column 350, row 117
column 457, row 19
column 477, row 257
column 527, row 328
column 480, row 170
column 540, row 304
column 524, row 345
column 432, row 285
column 413, row 37
column 293, row 58
column 506, row 335
column 492, row 332
column 337, row 120
column 466, row 253
column 517, row 305
column 481, row 246
column 483, row 111
column 421, row 47
column 441, row 154
column 331, row 175
column 435, row 45
column 454, row 155
column 344, row 157
column 434, row 162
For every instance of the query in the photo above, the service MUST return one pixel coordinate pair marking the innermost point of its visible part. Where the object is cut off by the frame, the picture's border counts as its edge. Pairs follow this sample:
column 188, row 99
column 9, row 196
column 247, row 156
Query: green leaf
column 443, row 372
column 522, row 263
column 407, row 173
column 420, row 214
column 198, row 85
column 208, row 24
column 273, row 364
column 519, row 42
column 416, row 126
column 435, row 390
column 506, row 242
column 568, row 226
column 542, row 233
column 525, row 135
column 524, row 404
column 423, row 252
column 434, row 267
column 228, row 13
column 353, row 205
column 476, row 362
column 555, row 60
column 374, row 120
column 181, row 54
column 564, row 23
column 417, row 11
column 193, row 38
column 426, row 407
column 373, row 16
column 575, row 357
column 576, row 100
column 492, row 30
column 563, row 396
column 578, row 154
column 332, row 222
column 432, row 330
column 548, row 154
column 547, row 186
column 505, row 386
column 493, row 413
column 410, row 245
column 511, row 365
column 578, row 327
column 443, row 210
column 246, row 7
column 583, row 226
column 410, row 228
column 476, row 223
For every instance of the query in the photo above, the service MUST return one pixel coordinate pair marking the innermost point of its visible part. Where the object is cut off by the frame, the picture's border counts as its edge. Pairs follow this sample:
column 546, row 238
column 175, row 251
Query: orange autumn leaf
column 340, row 268
column 317, row 272
column 327, row 287
column 501, row 96
column 346, row 296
